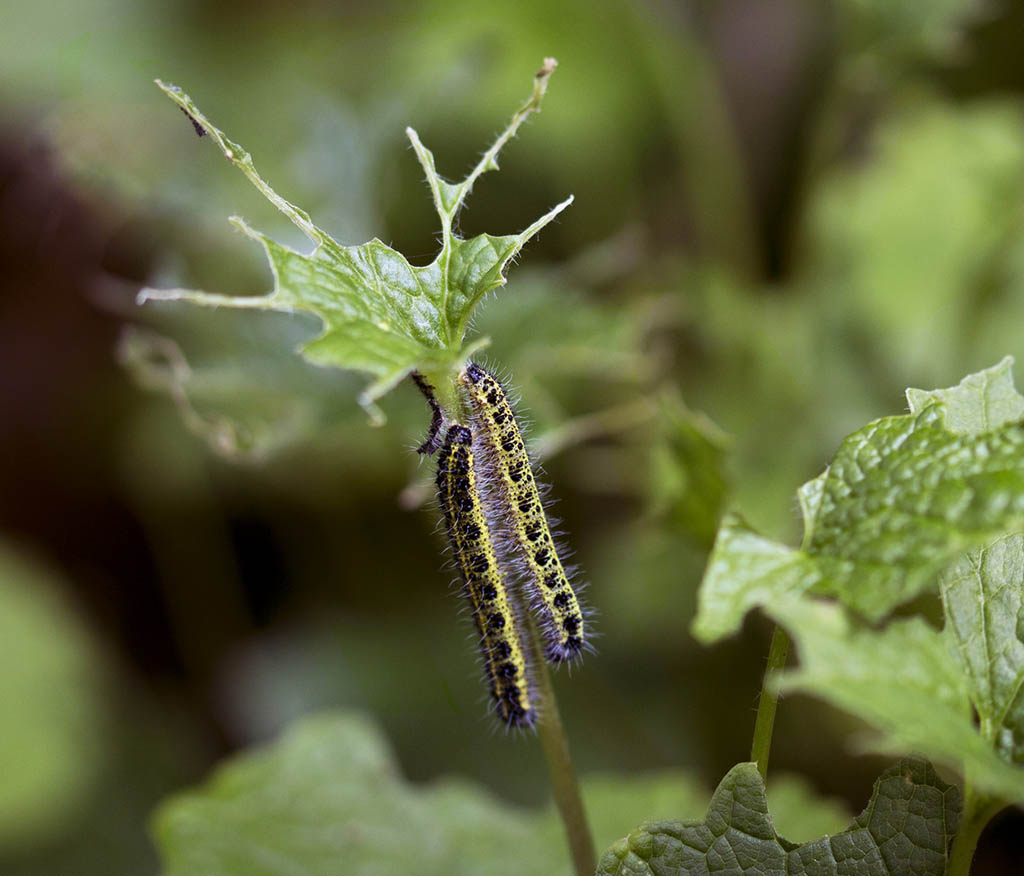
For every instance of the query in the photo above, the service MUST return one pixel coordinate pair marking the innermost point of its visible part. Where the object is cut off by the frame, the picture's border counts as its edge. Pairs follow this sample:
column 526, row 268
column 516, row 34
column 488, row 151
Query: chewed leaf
column 254, row 399
column 903, row 497
column 905, row 828
column 380, row 314
column 979, row 403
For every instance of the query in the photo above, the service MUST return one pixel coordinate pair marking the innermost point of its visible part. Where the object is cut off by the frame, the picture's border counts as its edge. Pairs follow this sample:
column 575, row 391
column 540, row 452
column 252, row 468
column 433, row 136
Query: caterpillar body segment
column 497, row 435
column 504, row 657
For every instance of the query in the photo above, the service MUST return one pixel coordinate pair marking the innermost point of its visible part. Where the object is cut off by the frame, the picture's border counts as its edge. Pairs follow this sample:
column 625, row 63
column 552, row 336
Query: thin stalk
column 978, row 811
column 769, row 701
column 555, row 744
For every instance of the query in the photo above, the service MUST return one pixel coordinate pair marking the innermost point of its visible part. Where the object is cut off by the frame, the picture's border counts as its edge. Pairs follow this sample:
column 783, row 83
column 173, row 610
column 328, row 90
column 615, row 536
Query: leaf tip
column 704, row 632
column 147, row 294
column 374, row 413
column 540, row 80
column 240, row 224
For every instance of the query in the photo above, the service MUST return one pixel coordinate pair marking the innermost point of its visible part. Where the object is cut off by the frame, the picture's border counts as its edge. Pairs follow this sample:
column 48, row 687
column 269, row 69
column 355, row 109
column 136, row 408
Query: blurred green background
column 786, row 213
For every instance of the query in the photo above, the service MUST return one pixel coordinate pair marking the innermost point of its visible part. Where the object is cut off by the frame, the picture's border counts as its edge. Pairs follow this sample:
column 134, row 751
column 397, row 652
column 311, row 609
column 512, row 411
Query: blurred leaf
column 904, row 28
column 328, row 797
column 664, row 572
column 687, row 472
column 909, row 820
column 902, row 498
column 902, row 680
column 478, row 52
column 799, row 813
column 52, row 734
column 983, row 595
column 912, row 244
column 380, row 314
column 240, row 412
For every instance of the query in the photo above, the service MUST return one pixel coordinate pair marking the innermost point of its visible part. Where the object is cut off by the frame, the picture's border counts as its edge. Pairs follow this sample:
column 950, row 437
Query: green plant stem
column 555, row 744
column 769, row 701
column 978, row 811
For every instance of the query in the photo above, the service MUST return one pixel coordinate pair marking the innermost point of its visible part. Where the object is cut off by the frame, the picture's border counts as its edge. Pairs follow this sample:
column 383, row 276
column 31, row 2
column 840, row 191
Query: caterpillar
column 493, row 611
column 543, row 576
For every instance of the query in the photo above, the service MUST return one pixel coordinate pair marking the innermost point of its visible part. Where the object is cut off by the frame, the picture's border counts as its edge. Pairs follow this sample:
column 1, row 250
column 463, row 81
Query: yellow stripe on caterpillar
column 503, row 654
column 518, row 504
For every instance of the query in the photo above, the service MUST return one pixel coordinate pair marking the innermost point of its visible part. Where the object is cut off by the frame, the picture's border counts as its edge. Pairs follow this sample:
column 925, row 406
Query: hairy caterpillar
column 497, row 435
column 503, row 654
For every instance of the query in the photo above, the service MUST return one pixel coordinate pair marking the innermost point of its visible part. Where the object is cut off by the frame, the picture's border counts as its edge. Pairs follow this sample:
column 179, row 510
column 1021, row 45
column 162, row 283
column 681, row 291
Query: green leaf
column 688, row 484
column 979, row 403
column 902, row 498
column 983, row 595
column 905, row 828
column 746, row 570
column 328, row 798
column 886, row 260
column 380, row 314
column 902, row 680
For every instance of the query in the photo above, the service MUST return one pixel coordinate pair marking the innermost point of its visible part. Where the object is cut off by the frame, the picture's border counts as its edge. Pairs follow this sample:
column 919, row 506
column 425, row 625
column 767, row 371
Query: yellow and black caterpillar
column 514, row 499
column 483, row 579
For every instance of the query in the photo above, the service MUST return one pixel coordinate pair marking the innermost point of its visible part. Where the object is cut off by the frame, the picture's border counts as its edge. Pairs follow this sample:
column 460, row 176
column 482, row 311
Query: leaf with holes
column 380, row 314
column 906, row 828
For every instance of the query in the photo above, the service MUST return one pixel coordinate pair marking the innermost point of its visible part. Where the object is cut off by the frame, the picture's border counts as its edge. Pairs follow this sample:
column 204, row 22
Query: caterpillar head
column 473, row 373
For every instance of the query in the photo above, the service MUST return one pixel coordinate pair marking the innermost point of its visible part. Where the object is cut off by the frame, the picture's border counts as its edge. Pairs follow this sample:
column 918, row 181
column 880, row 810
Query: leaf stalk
column 978, row 811
column 778, row 651
column 555, row 744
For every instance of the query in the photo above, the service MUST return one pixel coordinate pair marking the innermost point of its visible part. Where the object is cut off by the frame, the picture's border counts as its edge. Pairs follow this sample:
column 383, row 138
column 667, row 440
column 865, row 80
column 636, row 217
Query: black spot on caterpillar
column 543, row 577
column 504, row 657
